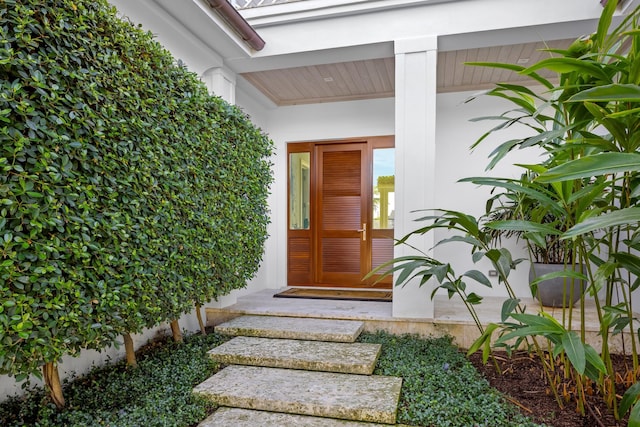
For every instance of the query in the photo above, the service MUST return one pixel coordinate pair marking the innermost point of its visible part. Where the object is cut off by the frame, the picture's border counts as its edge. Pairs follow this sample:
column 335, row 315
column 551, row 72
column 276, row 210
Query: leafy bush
column 127, row 192
column 440, row 387
column 158, row 393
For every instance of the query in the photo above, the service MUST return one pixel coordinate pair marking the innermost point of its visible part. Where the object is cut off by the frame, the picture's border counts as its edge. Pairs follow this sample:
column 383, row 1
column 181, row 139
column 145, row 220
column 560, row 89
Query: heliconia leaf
column 593, row 361
column 464, row 239
column 507, row 308
column 524, row 226
column 527, row 331
column 514, row 186
column 537, row 319
column 568, row 65
column 567, row 273
column 590, row 166
column 623, row 113
column 473, row 298
column 478, row 277
column 483, row 340
column 513, row 67
column 629, row 261
column 605, row 22
column 634, row 416
column 629, row 398
column 574, row 349
column 608, row 93
column 611, row 219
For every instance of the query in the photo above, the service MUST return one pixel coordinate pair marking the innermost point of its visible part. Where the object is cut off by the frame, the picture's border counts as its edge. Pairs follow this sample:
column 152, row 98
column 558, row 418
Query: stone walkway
column 286, row 371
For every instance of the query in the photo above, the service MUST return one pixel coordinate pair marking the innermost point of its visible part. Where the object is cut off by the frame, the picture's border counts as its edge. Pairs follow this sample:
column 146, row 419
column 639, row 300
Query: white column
column 221, row 82
column 415, row 102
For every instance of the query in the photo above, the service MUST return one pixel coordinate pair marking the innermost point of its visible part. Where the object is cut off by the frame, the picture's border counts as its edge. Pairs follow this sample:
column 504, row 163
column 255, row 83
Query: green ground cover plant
column 440, row 388
column 157, row 393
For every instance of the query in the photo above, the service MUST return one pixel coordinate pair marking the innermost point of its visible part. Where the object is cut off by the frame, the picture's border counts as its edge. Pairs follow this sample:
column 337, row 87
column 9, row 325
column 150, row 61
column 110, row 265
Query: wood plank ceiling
column 375, row 78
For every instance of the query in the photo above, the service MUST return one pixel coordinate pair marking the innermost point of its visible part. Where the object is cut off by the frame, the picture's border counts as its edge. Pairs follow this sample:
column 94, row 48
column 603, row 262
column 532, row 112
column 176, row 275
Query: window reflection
column 299, row 190
column 383, row 188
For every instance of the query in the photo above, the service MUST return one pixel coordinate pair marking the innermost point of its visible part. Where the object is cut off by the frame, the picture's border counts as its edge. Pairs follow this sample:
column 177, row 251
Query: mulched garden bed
column 522, row 380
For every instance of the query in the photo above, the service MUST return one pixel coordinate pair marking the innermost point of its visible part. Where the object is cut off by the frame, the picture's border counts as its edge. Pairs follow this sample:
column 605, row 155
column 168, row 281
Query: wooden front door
column 335, row 237
column 342, row 208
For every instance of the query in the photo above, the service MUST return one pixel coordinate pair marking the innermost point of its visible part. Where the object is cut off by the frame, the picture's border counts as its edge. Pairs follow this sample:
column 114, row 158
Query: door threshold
column 336, row 294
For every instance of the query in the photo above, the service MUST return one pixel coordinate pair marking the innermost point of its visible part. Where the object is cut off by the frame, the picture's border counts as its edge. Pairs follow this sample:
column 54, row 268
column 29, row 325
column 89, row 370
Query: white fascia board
column 310, row 9
column 460, row 19
column 307, row 58
column 223, row 26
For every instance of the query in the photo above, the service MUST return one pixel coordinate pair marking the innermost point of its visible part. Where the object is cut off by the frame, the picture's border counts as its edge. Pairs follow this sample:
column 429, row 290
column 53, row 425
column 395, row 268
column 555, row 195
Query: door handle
column 363, row 230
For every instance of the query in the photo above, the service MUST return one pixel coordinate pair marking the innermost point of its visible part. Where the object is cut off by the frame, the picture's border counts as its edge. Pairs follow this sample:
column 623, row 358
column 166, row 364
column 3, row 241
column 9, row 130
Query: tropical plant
column 516, row 204
column 589, row 179
column 583, row 193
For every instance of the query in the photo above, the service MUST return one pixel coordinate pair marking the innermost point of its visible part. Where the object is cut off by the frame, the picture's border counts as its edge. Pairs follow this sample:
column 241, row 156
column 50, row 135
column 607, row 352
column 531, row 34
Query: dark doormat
column 311, row 293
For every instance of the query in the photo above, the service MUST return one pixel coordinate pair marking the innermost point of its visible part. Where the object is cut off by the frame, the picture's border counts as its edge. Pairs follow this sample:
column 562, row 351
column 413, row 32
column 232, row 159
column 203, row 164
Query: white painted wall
column 454, row 135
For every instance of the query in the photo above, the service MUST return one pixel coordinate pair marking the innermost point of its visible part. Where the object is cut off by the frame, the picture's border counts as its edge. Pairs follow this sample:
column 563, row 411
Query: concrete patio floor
column 451, row 316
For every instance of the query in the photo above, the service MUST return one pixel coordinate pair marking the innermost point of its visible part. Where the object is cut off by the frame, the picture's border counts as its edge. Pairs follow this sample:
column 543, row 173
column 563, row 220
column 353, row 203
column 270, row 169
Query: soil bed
column 523, row 382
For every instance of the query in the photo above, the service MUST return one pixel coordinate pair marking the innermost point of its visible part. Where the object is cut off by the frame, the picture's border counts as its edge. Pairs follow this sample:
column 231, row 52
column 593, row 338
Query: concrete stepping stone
column 297, row 328
column 226, row 417
column 349, row 358
column 321, row 394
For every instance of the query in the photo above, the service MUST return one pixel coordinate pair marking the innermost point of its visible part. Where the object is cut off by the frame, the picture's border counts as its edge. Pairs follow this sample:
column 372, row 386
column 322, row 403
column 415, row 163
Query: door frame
column 303, row 244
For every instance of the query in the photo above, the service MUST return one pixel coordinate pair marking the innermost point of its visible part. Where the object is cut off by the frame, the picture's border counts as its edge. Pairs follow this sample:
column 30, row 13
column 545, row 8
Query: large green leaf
column 478, row 277
column 629, row 398
column 605, row 22
column 507, row 308
column 512, row 67
column 568, row 65
column 483, row 341
column 517, row 187
column 590, row 166
column 629, row 261
column 523, row 226
column 595, row 364
column 567, row 273
column 530, row 331
column 608, row 93
column 627, row 216
column 574, row 348
column 634, row 416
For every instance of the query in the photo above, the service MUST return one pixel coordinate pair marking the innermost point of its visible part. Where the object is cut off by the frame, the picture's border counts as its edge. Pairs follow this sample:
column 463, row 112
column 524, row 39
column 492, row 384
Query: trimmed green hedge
column 127, row 192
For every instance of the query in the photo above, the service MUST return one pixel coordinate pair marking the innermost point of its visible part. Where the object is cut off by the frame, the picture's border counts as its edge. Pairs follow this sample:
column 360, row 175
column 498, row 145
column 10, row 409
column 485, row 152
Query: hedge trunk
column 200, row 322
column 130, row 351
column 175, row 330
column 52, row 381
